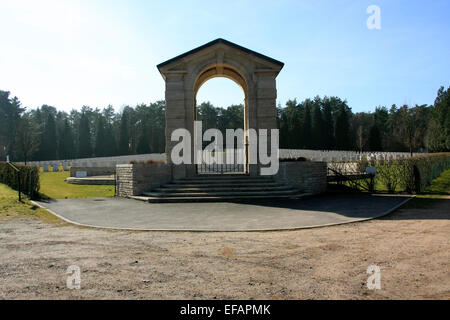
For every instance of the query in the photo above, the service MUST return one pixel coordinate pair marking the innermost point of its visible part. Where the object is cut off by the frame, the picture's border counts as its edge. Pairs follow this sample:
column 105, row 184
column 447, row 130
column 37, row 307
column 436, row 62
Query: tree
column 306, row 125
column 375, row 139
column 143, row 145
column 317, row 127
column 110, row 141
column 328, row 127
column 124, row 139
column 360, row 138
column 49, row 141
column 10, row 113
column 84, row 137
column 207, row 114
column 27, row 136
column 100, row 149
column 413, row 126
column 438, row 135
column 66, row 142
column 342, row 129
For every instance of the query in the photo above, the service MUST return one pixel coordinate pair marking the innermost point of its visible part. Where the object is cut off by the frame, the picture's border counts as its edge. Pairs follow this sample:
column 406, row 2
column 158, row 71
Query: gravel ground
column 412, row 248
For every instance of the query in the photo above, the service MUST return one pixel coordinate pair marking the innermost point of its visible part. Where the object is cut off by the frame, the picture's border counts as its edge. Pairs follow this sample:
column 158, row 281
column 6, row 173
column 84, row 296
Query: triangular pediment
column 180, row 62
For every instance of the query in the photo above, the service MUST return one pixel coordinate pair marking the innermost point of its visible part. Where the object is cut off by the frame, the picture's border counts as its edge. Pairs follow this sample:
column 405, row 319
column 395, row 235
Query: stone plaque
column 81, row 174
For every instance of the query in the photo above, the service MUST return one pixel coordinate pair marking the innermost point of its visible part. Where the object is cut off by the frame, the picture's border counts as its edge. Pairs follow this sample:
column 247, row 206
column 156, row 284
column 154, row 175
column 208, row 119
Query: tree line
column 329, row 124
column 324, row 123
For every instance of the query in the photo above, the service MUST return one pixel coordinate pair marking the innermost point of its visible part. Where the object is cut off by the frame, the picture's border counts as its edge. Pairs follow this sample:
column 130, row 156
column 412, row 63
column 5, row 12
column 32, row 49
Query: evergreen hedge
column 29, row 178
column 412, row 174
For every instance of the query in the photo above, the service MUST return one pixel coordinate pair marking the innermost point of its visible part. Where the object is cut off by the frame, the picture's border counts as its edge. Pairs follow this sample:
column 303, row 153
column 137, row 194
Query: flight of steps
column 221, row 188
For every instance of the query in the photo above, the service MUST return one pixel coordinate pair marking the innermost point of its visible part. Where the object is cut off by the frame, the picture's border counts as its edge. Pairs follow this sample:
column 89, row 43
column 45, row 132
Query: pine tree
column 66, row 142
column 84, row 138
column 317, row 128
column 375, row 139
column 124, row 139
column 342, row 129
column 306, row 126
column 438, row 137
column 49, row 142
column 100, row 138
column 328, row 127
column 110, row 141
column 143, row 145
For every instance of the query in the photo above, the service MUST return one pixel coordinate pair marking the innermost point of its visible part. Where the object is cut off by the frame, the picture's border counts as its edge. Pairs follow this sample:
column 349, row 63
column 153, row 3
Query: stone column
column 266, row 95
column 175, row 114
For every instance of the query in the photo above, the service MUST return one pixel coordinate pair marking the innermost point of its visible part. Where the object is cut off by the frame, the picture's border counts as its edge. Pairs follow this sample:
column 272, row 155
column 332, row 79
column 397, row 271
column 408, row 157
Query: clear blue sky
column 73, row 53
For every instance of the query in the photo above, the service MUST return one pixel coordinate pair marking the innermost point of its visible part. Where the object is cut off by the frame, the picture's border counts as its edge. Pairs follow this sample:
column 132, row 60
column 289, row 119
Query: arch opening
column 232, row 115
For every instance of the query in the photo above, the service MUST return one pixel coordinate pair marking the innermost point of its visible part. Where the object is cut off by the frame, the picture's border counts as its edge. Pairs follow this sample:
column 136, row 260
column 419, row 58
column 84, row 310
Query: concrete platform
column 318, row 211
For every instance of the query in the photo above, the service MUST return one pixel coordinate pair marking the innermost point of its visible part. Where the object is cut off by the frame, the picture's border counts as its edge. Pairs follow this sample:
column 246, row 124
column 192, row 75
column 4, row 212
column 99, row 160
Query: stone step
column 222, row 185
column 226, row 176
column 224, row 181
column 220, row 199
column 182, row 189
column 222, row 194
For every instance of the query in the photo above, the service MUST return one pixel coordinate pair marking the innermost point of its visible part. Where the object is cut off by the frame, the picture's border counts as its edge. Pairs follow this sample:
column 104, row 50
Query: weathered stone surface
column 185, row 74
column 306, row 176
column 134, row 179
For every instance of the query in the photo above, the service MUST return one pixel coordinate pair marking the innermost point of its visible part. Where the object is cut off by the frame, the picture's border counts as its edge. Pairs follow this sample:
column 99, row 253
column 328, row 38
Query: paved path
column 119, row 213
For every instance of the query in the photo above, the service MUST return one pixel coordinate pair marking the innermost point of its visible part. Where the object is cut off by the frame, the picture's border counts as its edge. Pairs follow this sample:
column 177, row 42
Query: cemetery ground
column 54, row 187
column 411, row 246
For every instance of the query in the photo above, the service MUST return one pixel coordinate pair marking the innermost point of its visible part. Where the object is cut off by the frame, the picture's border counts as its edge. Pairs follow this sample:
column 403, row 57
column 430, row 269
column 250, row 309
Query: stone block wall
column 307, row 176
column 134, row 179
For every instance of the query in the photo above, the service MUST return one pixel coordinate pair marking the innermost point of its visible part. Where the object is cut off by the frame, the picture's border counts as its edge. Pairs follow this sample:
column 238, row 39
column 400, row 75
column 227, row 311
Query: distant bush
column 29, row 178
column 148, row 162
column 390, row 174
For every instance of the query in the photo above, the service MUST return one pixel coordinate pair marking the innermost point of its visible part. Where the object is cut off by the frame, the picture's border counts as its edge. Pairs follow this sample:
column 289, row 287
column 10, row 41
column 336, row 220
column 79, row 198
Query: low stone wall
column 307, row 176
column 93, row 171
column 134, row 179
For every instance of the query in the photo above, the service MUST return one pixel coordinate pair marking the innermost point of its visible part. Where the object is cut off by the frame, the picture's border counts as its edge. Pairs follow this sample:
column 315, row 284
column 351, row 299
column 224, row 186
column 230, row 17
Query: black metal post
column 18, row 175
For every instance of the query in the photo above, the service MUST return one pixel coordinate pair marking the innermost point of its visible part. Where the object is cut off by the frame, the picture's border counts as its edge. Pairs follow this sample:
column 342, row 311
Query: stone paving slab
column 128, row 214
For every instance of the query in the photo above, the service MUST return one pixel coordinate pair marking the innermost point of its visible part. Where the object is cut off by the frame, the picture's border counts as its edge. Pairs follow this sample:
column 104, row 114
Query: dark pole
column 18, row 175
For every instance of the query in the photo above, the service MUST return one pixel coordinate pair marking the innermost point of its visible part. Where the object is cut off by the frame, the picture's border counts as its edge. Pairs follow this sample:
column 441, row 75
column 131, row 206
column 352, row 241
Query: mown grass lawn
column 440, row 185
column 10, row 207
column 53, row 185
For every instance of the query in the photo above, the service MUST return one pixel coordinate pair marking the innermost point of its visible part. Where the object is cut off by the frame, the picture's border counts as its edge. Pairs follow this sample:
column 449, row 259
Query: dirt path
column 412, row 247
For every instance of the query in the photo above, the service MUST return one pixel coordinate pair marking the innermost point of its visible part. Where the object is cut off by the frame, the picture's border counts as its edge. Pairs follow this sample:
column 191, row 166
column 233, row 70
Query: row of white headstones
column 342, row 156
column 313, row 155
column 109, row 162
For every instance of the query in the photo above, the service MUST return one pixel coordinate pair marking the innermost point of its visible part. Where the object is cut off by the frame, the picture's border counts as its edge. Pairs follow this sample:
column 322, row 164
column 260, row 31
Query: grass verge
column 53, row 186
column 11, row 208
column 438, row 189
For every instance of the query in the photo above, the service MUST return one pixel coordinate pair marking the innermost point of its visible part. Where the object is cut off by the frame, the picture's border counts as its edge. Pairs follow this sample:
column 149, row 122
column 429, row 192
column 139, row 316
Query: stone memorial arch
column 185, row 74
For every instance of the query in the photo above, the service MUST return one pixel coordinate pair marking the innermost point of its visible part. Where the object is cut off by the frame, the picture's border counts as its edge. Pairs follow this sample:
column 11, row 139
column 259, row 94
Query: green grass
column 10, row 208
column 438, row 189
column 53, row 186
column 440, row 185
